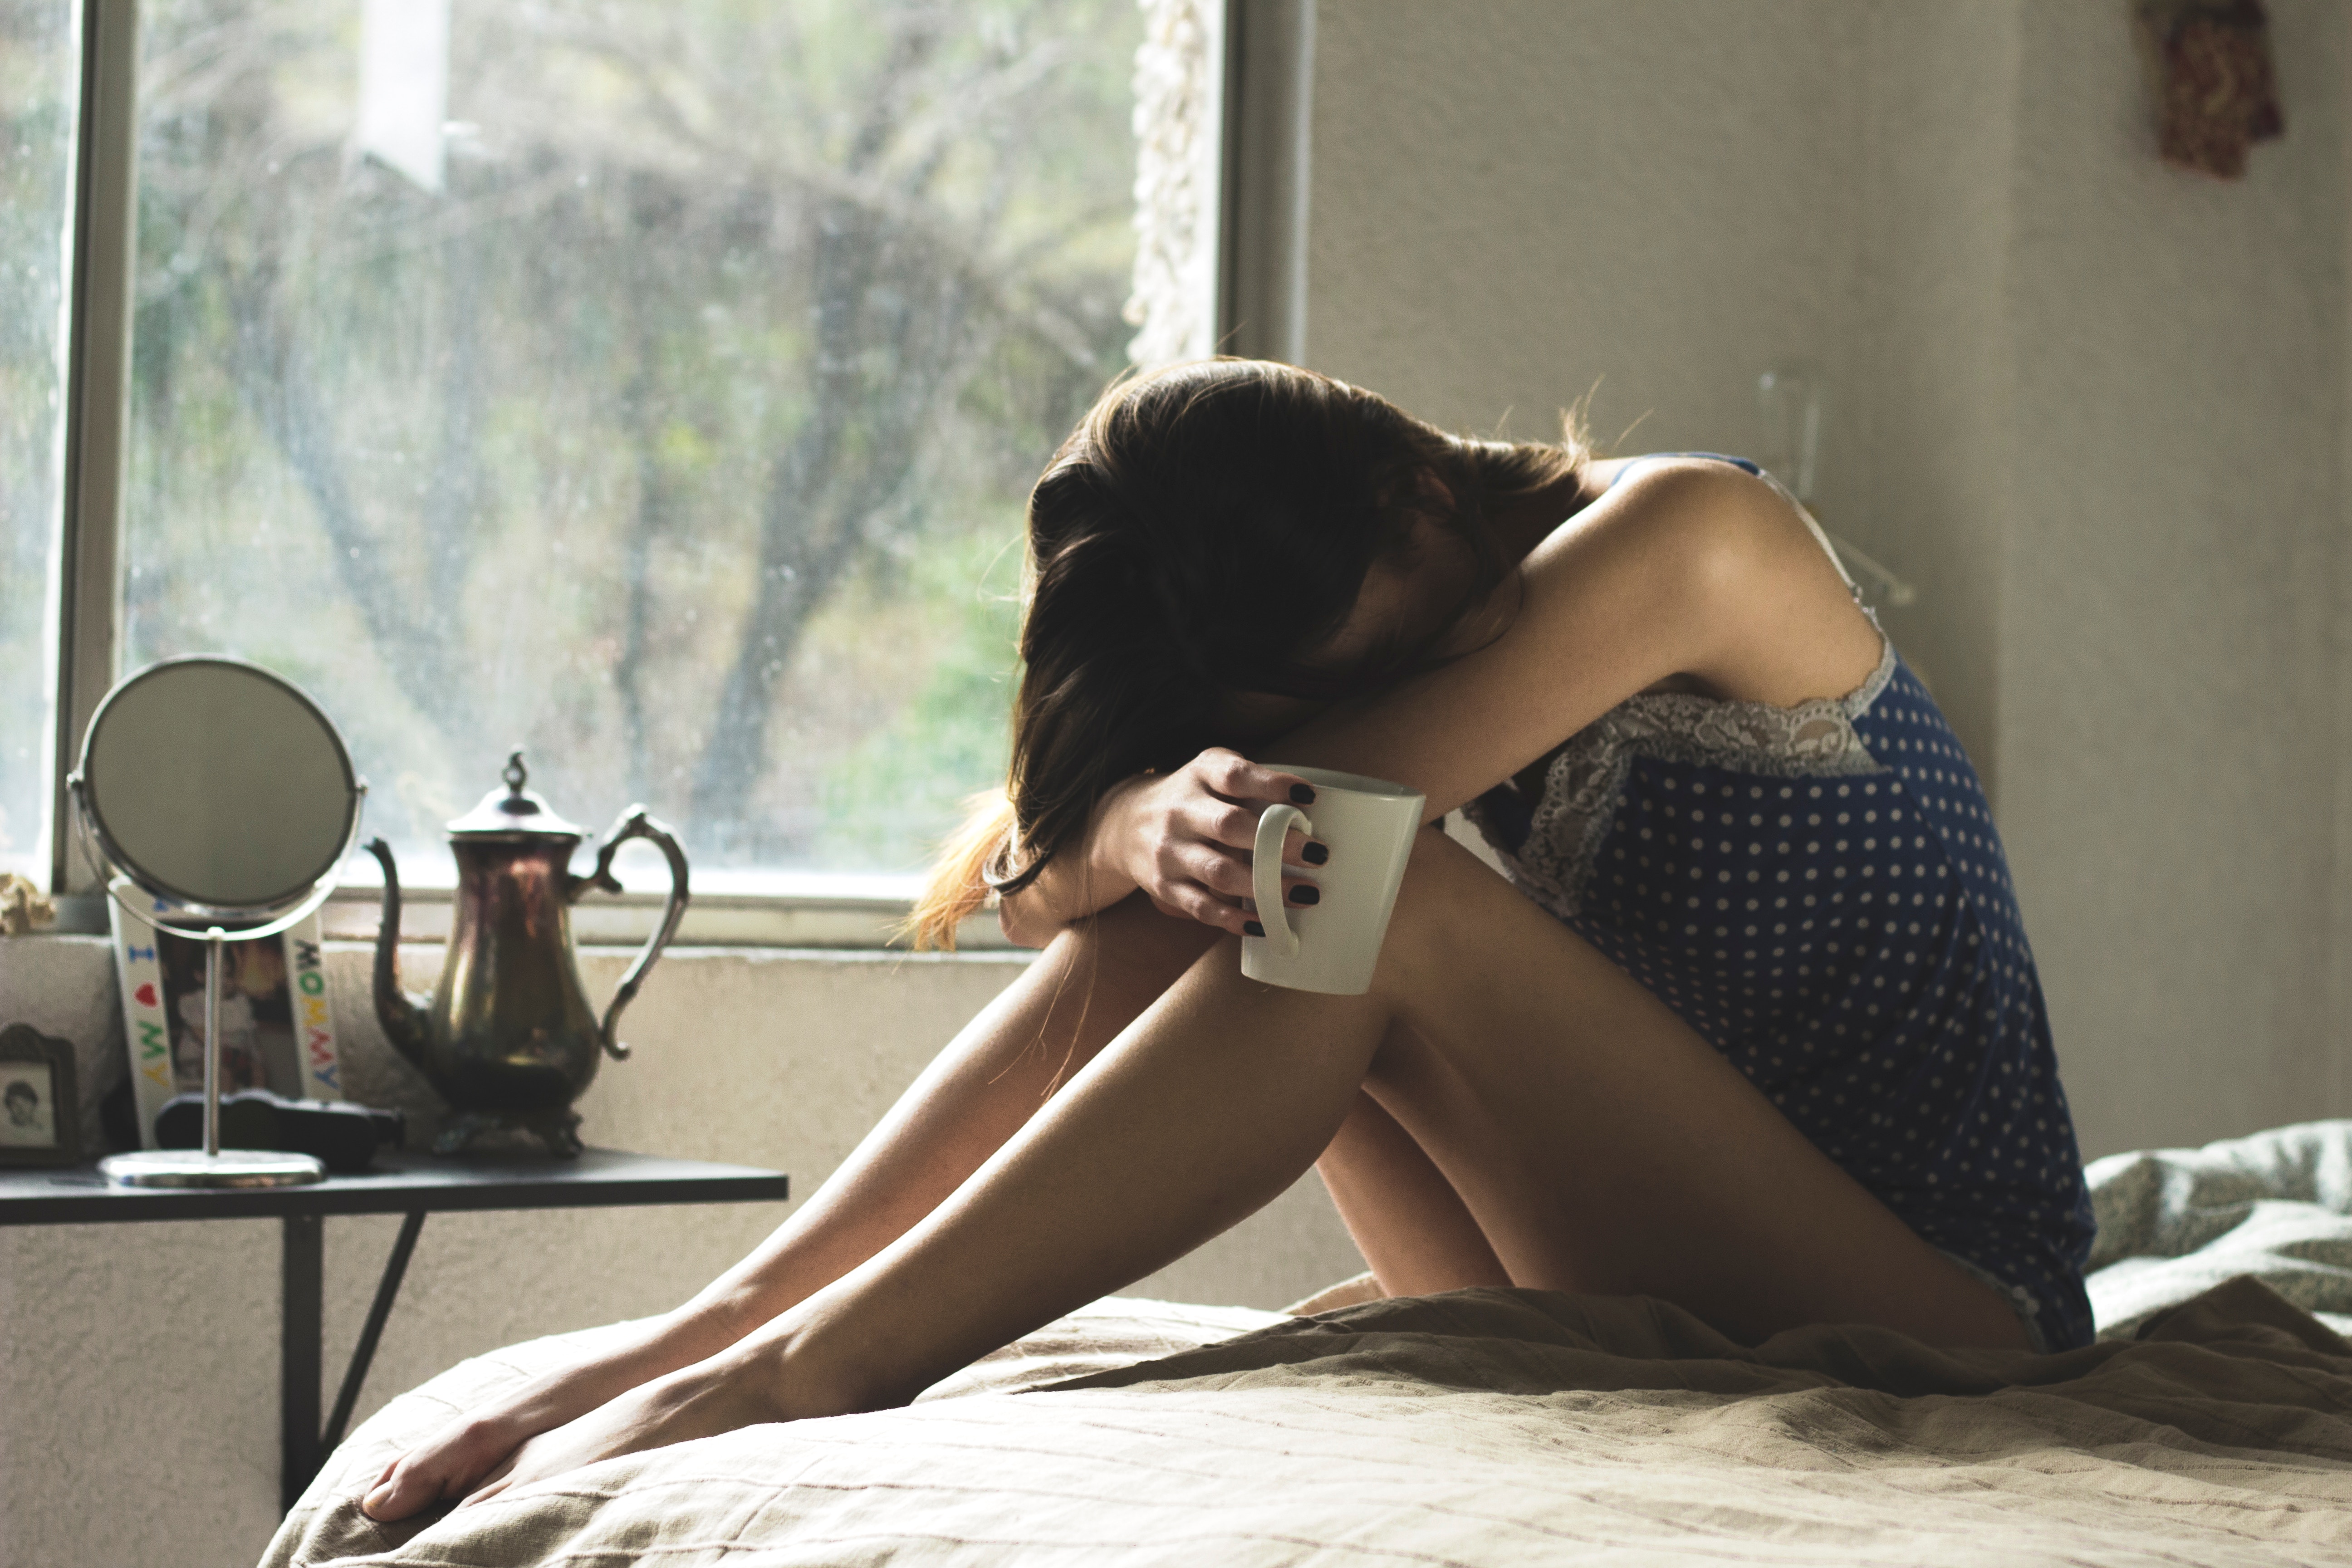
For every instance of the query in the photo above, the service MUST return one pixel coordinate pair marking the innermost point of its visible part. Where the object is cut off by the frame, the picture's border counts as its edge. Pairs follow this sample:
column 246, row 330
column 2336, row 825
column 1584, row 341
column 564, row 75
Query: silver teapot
column 509, row 1040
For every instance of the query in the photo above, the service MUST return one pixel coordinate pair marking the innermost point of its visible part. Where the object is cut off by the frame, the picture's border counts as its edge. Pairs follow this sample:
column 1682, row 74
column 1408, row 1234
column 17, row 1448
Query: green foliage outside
column 888, row 800
column 678, row 434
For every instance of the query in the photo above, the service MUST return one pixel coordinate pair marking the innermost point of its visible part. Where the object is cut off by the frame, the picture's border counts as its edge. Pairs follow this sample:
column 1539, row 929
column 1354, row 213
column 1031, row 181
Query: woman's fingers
column 1219, row 870
column 1236, row 776
column 1234, row 826
column 1218, row 890
column 1194, row 901
column 1223, row 822
column 1208, row 908
column 1203, row 840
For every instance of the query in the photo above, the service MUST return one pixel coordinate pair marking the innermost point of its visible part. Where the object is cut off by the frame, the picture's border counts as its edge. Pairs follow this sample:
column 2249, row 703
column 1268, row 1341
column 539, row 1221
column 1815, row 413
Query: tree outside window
column 653, row 386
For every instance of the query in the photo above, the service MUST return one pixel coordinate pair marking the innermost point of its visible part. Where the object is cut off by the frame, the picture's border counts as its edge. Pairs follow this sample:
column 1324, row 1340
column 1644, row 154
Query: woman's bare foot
column 456, row 1459
column 717, row 1396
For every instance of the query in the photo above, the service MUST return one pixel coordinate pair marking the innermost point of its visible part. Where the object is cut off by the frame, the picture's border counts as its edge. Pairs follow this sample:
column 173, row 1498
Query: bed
column 2212, row 1424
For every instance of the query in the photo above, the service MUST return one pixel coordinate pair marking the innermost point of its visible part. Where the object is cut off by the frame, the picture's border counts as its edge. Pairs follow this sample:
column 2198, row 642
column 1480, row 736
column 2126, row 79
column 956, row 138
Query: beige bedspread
column 1490, row 1426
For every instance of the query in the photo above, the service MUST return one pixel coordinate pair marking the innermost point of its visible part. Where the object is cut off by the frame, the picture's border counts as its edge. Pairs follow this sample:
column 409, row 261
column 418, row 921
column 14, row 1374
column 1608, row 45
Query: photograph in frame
column 39, row 1113
column 278, row 1029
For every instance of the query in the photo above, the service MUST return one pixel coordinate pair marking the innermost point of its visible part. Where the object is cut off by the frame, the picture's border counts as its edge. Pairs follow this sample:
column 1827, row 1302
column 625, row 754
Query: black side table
column 411, row 1186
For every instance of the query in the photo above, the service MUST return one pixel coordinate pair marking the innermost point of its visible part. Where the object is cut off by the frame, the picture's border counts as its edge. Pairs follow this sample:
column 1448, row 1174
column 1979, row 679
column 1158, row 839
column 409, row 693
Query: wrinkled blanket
column 2172, row 1222
column 1507, row 1427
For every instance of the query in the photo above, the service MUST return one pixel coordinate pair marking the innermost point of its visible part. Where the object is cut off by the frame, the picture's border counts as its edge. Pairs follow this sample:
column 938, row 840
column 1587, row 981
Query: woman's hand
column 1185, row 838
column 455, row 1460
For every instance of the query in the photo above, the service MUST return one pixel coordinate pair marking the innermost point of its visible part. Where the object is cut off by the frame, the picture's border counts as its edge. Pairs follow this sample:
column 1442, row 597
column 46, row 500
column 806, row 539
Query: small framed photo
column 40, row 1120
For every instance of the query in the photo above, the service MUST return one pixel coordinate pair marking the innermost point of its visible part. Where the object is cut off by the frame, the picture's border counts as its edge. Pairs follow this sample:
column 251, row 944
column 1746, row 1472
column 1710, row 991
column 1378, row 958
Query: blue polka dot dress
column 1820, row 893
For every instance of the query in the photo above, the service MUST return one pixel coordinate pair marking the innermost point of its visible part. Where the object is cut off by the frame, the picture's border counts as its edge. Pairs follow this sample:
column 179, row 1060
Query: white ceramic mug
column 1331, row 945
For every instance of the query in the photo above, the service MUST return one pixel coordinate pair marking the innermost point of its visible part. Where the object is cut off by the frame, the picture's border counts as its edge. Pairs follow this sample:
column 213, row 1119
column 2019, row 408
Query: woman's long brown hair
column 1201, row 529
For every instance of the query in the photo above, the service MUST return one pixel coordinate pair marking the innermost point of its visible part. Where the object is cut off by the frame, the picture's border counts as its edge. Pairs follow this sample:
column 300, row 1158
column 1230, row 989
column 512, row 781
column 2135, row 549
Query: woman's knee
column 1128, row 955
column 1448, row 892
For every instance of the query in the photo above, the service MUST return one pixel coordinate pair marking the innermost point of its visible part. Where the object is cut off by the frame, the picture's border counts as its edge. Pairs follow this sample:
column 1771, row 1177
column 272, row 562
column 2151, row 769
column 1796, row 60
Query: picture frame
column 40, row 1110
column 277, row 1027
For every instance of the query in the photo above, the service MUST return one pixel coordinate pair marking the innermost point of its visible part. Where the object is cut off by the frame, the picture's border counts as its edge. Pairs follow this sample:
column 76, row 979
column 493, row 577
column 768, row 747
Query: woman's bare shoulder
column 1686, row 572
column 1776, row 617
column 1692, row 495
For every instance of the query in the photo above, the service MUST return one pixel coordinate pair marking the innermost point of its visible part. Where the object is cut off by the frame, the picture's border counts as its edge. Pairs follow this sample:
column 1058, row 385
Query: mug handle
column 1265, row 875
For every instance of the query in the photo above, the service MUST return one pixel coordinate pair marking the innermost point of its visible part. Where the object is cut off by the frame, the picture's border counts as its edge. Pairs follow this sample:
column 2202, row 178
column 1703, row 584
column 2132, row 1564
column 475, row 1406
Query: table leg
column 387, row 1289
column 300, row 1292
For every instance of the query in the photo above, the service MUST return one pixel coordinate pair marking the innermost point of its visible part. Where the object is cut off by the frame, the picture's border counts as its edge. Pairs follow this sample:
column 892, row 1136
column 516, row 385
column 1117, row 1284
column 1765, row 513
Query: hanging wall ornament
column 2209, row 68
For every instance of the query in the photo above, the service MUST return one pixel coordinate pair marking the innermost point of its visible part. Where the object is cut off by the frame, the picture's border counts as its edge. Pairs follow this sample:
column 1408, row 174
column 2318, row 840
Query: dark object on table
column 118, row 1118
column 2209, row 67
column 508, row 1039
column 40, row 1119
column 340, row 1136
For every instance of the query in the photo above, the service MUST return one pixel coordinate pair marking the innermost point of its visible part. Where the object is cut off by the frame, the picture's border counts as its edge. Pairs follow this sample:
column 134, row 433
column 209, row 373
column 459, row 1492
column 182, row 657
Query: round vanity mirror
column 222, row 794
column 216, row 785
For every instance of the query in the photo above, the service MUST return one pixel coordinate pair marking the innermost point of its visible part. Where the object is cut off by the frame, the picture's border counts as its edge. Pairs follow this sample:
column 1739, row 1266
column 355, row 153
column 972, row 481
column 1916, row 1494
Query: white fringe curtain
column 1176, row 115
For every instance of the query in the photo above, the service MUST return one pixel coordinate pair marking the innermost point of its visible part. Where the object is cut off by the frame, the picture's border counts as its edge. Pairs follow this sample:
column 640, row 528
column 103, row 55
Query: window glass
column 653, row 386
column 39, row 78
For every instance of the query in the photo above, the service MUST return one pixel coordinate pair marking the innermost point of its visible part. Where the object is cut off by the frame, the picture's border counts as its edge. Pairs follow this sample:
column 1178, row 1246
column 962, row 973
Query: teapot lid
column 514, row 810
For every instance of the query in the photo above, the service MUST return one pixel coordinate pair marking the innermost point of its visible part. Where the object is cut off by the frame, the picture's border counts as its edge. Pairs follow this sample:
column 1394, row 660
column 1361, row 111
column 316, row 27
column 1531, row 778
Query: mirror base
column 195, row 1168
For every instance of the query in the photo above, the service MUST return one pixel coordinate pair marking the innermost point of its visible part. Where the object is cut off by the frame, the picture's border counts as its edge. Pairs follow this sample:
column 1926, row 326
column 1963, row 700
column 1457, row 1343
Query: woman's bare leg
column 1599, row 1144
column 1407, row 1220
column 1085, row 987
column 1089, row 984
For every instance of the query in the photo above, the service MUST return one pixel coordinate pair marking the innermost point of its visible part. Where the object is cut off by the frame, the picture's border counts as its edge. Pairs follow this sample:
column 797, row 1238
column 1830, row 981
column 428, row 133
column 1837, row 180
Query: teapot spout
column 404, row 1018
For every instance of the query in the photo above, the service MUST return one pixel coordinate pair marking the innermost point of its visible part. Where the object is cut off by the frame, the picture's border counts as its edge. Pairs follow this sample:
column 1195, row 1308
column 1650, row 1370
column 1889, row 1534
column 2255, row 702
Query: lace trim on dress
column 1587, row 775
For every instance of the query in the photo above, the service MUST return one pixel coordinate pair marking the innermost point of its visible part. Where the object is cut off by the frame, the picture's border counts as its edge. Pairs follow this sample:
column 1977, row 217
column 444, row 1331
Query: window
column 652, row 386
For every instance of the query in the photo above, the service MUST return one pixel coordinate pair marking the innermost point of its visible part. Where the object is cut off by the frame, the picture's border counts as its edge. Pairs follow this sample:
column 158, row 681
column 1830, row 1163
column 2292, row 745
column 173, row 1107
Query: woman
column 1756, row 1032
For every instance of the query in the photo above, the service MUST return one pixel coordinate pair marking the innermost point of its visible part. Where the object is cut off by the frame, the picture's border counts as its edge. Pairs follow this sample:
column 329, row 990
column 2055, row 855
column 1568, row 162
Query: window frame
column 1255, row 224
column 88, row 581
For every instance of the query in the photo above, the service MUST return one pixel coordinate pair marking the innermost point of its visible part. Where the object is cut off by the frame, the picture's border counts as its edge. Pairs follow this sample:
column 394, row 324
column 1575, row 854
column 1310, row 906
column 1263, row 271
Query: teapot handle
column 636, row 823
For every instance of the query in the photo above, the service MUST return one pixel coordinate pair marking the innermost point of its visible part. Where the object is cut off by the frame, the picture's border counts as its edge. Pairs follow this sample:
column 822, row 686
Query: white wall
column 2094, row 406
column 2166, row 657
column 138, row 1363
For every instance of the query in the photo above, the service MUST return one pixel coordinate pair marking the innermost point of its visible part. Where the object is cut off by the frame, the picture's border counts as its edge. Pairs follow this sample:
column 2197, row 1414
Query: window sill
column 790, row 912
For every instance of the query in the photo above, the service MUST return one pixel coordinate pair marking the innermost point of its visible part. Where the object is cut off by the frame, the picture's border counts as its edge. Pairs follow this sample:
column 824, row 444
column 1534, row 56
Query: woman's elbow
column 1023, row 925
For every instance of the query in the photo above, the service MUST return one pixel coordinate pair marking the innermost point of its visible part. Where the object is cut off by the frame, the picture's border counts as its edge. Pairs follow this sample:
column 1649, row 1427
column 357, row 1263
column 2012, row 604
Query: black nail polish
column 1316, row 854
column 1302, row 795
column 1251, row 928
column 1305, row 895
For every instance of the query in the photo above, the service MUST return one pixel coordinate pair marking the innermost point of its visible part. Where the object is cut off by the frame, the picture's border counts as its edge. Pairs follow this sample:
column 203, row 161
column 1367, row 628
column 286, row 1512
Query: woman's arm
column 1173, row 836
column 1071, row 884
column 1688, row 569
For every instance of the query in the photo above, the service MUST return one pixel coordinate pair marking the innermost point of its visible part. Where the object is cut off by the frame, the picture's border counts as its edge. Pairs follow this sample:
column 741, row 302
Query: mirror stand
column 211, row 1166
